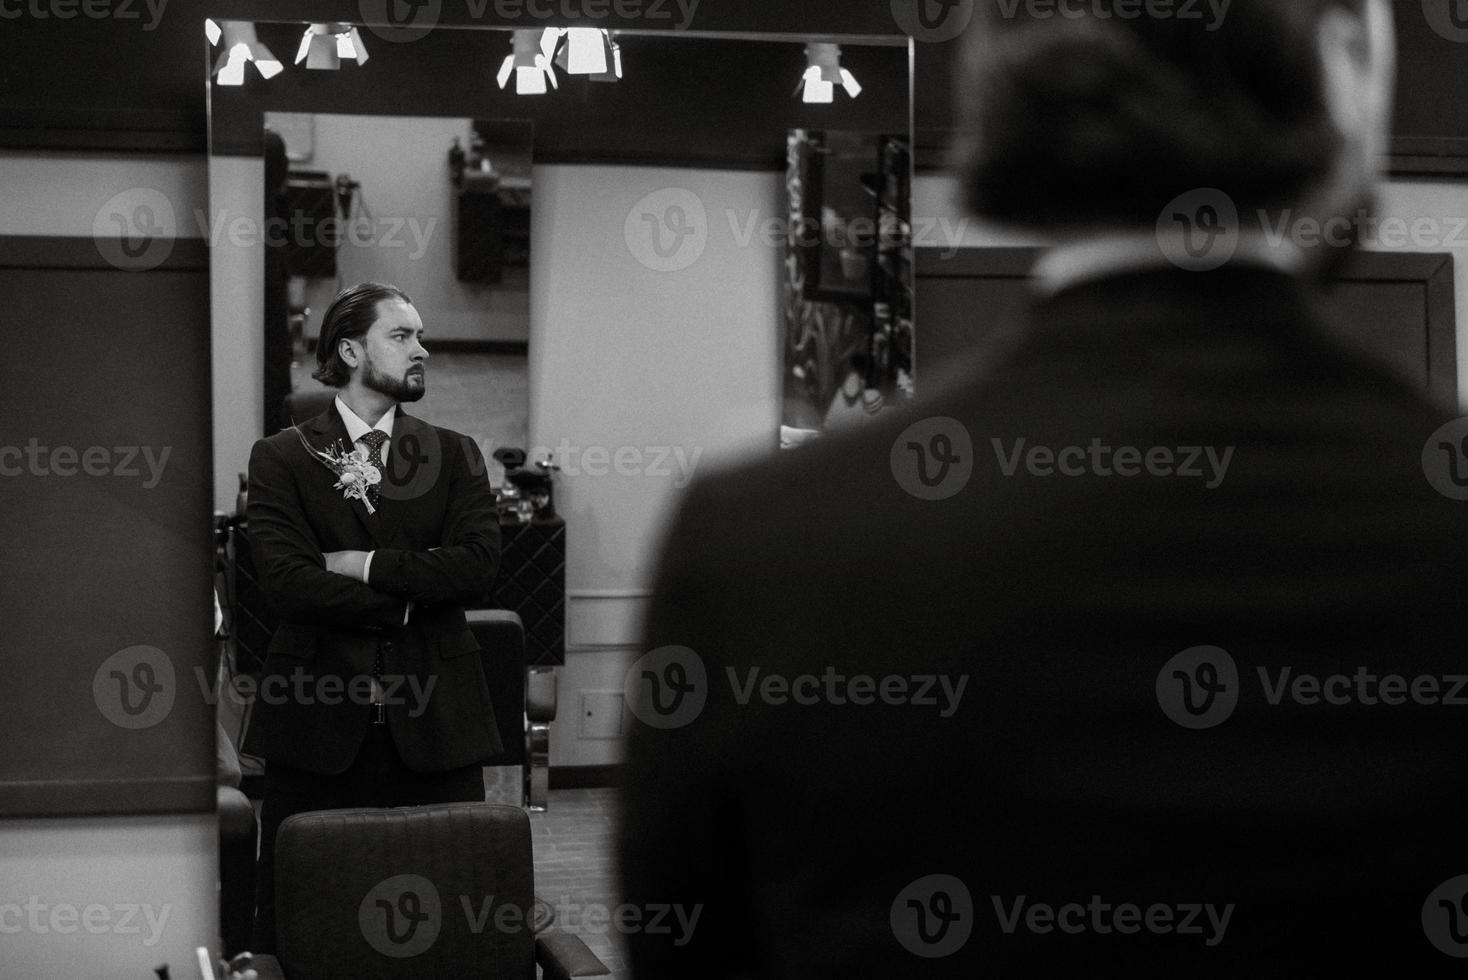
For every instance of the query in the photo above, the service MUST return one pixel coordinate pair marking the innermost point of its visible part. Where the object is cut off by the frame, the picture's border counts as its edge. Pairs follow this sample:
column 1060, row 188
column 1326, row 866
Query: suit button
column 387, row 646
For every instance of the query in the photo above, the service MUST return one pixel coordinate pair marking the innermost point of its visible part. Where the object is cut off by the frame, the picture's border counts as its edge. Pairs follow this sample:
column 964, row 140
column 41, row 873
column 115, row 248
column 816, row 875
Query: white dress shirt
column 356, row 429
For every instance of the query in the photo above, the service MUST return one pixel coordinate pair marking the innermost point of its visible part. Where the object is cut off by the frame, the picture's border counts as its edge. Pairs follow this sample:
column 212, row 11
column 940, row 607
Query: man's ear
column 1358, row 66
column 346, row 349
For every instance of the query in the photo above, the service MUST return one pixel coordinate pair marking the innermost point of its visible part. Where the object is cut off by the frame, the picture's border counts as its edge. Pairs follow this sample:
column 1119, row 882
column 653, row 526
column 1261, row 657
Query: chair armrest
column 236, row 815
column 562, row 955
column 267, row 968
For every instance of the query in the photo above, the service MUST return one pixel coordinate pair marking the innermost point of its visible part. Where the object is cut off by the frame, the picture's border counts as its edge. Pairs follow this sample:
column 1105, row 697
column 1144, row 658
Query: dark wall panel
column 105, row 470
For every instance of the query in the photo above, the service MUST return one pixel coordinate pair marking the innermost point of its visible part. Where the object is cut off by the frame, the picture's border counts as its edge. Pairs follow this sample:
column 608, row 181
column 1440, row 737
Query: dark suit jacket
column 436, row 541
column 1060, row 777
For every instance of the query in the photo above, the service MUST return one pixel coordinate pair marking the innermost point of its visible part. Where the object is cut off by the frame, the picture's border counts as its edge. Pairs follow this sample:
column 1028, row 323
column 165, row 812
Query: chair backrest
column 501, row 638
column 406, row 892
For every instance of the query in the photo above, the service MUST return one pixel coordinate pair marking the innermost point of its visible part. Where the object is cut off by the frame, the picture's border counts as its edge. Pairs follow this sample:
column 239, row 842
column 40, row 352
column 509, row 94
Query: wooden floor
column 575, row 871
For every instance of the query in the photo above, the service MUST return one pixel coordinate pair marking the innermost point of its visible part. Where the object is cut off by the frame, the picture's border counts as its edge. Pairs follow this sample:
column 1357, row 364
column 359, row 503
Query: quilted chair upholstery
column 407, row 892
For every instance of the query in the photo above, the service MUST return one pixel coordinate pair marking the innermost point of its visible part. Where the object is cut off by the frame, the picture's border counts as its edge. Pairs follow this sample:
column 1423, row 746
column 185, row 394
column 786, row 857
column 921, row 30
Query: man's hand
column 352, row 564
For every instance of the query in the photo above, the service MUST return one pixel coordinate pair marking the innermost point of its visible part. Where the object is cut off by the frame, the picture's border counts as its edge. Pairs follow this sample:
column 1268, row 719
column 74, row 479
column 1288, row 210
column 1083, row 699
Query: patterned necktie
column 373, row 441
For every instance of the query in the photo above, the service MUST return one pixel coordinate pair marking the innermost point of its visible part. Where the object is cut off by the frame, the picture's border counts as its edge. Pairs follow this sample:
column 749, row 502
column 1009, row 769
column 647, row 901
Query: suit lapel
column 327, row 432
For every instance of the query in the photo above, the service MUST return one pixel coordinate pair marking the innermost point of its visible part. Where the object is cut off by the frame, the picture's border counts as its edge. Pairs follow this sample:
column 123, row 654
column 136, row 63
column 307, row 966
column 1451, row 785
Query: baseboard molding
column 585, row 777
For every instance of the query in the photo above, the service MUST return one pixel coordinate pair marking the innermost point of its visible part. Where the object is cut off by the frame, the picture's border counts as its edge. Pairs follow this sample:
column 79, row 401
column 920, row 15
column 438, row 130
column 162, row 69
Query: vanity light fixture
column 824, row 73
column 587, row 51
column 241, row 46
column 323, row 46
column 531, row 62
column 614, row 68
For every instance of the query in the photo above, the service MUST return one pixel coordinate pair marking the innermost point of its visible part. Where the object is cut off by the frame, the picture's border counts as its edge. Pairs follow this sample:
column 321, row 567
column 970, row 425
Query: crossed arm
column 332, row 588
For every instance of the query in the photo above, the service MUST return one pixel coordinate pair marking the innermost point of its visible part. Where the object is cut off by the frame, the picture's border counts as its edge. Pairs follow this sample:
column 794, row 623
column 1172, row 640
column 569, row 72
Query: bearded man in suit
column 373, row 692
column 1006, row 686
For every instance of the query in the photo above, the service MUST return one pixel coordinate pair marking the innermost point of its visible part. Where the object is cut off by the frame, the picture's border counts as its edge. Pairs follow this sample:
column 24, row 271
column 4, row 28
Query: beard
column 398, row 389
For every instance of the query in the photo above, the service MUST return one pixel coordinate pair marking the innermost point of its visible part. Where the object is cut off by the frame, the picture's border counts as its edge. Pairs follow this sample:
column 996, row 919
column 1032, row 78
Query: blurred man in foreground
column 1139, row 653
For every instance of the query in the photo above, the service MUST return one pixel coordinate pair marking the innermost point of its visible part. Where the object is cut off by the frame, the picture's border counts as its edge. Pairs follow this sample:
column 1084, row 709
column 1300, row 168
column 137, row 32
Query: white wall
column 625, row 358
column 406, row 209
column 163, row 865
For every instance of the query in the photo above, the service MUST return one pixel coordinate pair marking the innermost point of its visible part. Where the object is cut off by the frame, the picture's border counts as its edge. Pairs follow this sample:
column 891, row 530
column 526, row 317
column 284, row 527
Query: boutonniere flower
column 354, row 471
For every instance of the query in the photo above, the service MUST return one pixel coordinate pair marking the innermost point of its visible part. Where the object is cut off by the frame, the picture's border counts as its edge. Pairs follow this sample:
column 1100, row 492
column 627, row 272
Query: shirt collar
column 1104, row 256
column 356, row 428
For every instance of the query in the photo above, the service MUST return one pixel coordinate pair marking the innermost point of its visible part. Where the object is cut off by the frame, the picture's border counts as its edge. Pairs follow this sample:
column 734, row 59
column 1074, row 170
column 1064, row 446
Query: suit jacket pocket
column 457, row 643
column 293, row 640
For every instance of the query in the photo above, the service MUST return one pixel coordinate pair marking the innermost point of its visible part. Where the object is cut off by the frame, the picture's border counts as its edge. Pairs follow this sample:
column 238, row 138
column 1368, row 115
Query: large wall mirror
column 643, row 329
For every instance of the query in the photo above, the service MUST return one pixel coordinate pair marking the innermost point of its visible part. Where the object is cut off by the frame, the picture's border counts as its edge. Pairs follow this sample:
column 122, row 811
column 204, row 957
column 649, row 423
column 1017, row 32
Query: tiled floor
column 575, row 870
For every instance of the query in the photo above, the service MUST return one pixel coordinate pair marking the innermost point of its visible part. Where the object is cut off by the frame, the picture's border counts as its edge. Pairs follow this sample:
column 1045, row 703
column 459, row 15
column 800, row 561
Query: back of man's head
column 1097, row 113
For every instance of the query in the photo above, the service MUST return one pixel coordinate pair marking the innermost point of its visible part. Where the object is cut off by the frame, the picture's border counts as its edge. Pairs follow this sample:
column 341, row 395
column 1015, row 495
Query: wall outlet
column 603, row 714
